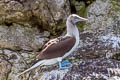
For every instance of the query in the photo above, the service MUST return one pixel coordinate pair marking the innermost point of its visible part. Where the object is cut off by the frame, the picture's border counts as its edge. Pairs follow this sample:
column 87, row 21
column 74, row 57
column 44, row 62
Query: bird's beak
column 82, row 19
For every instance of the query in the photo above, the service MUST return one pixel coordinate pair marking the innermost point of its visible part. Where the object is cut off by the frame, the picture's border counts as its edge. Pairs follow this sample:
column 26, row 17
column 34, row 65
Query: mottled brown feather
column 57, row 48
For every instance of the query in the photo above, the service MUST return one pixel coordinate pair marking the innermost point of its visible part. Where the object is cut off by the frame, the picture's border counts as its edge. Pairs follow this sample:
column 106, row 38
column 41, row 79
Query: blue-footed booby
column 57, row 49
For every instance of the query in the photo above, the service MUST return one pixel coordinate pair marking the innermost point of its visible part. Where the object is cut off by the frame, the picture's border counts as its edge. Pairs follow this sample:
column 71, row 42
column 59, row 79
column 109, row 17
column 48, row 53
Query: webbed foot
column 65, row 64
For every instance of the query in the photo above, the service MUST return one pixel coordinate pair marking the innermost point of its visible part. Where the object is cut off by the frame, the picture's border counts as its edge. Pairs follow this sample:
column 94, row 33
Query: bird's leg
column 65, row 64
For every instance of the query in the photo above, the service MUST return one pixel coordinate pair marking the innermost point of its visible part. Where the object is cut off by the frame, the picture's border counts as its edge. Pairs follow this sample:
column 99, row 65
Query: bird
column 55, row 50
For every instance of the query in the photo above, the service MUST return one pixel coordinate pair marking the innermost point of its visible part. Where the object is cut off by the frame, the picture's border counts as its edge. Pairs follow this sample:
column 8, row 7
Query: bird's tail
column 34, row 66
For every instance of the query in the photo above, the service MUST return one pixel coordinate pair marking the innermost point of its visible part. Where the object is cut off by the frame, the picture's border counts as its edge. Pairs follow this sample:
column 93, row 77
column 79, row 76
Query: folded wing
column 56, row 48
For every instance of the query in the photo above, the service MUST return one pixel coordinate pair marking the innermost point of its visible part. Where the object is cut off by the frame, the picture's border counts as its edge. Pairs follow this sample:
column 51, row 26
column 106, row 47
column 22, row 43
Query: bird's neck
column 72, row 30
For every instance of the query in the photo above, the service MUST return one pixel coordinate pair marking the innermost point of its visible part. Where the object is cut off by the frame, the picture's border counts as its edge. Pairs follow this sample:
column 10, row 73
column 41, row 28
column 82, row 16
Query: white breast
column 76, row 34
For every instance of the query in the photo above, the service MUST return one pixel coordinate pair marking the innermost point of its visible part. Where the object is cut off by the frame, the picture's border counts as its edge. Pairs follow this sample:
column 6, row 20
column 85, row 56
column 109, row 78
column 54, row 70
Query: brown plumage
column 56, row 48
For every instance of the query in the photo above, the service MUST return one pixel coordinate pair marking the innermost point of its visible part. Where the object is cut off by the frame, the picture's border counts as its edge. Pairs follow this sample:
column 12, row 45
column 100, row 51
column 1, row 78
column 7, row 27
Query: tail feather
column 34, row 66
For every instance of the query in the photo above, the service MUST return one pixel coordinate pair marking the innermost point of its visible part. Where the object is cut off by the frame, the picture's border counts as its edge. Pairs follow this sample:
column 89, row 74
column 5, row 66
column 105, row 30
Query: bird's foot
column 65, row 64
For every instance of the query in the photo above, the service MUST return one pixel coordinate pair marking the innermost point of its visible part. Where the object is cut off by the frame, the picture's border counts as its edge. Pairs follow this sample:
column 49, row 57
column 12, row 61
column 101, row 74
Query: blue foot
column 65, row 64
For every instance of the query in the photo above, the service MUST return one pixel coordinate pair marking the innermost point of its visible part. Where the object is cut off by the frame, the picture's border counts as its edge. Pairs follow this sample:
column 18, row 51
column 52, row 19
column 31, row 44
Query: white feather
column 41, row 63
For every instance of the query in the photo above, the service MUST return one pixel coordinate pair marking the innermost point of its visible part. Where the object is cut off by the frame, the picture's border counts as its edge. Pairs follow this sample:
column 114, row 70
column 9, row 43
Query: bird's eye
column 76, row 17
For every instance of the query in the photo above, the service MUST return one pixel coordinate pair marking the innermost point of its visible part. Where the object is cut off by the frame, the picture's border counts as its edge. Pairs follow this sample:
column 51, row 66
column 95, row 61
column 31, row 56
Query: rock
column 92, row 69
column 5, row 69
column 22, row 33
column 43, row 14
column 21, row 19
column 96, row 69
column 17, row 37
column 54, row 75
column 11, row 63
column 25, row 25
column 101, row 36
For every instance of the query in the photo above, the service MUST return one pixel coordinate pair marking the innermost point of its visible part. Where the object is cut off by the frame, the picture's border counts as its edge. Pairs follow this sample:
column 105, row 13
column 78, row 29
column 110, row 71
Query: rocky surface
column 25, row 25
column 21, row 34
column 96, row 69
column 5, row 68
column 101, row 36
column 11, row 62
column 44, row 14
column 18, row 37
column 23, row 21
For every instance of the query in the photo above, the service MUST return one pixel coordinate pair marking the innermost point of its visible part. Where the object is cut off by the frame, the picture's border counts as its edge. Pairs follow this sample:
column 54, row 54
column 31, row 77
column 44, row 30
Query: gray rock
column 92, row 69
column 18, row 37
column 11, row 63
column 5, row 68
column 54, row 75
column 43, row 13
column 101, row 36
column 96, row 69
column 21, row 31
column 23, row 18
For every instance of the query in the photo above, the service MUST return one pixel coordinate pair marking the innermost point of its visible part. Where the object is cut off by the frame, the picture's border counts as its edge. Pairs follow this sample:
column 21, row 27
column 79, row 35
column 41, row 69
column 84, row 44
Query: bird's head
column 73, row 18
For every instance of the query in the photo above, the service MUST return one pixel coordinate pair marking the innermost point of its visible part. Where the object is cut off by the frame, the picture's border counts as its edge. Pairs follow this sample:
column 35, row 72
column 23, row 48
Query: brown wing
column 57, row 48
